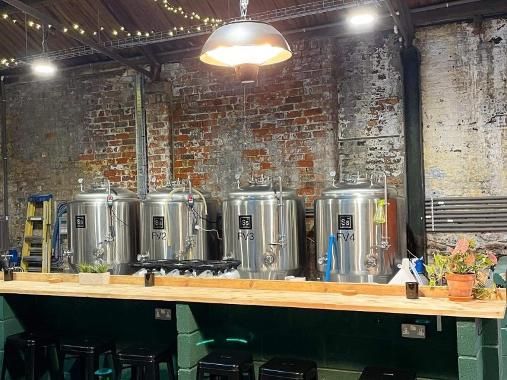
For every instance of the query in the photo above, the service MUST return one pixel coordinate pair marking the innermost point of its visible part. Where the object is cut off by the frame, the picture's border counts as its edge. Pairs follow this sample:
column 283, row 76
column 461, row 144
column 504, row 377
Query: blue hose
column 329, row 264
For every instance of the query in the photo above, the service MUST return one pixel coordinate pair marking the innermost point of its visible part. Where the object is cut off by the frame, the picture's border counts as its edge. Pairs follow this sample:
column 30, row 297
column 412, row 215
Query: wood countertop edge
column 494, row 309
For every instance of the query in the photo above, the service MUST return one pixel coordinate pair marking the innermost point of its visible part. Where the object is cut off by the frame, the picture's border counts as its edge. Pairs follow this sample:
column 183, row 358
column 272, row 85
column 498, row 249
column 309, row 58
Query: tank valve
column 269, row 259
column 322, row 260
column 142, row 257
column 371, row 263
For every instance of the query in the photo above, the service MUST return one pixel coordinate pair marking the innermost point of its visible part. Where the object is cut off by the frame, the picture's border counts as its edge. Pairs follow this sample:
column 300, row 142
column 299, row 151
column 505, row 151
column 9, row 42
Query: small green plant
column 93, row 268
column 437, row 271
column 464, row 258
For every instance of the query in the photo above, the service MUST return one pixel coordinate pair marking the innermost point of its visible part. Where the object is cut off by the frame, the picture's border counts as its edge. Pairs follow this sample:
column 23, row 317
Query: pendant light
column 245, row 45
column 43, row 66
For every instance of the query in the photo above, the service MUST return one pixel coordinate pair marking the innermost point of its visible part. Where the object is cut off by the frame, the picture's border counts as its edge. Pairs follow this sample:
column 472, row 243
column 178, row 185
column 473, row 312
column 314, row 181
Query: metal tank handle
column 269, row 258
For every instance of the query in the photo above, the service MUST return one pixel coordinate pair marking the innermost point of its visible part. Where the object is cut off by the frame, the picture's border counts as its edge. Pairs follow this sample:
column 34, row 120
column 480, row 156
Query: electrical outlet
column 163, row 314
column 413, row 331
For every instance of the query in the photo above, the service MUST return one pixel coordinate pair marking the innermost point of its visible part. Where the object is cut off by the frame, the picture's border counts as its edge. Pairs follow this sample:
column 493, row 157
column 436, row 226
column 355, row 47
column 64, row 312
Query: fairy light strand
column 116, row 32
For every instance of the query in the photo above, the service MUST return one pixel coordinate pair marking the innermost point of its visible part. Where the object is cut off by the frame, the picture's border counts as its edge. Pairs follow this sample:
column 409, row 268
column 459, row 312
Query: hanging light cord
column 243, row 6
column 44, row 40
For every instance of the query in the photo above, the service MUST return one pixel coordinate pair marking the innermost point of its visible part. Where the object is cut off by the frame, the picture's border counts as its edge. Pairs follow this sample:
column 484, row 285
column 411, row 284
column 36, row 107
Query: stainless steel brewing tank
column 104, row 226
column 171, row 229
column 366, row 251
column 267, row 237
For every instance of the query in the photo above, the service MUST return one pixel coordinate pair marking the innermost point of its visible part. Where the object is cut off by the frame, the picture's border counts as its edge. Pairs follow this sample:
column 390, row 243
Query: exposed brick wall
column 464, row 95
column 109, row 144
column 293, row 114
column 333, row 89
column 289, row 123
column 64, row 129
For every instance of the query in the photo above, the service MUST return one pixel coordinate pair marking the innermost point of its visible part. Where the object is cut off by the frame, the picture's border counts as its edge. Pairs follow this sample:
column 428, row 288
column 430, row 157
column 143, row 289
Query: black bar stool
column 281, row 368
column 145, row 361
column 380, row 373
column 227, row 365
column 87, row 351
column 35, row 348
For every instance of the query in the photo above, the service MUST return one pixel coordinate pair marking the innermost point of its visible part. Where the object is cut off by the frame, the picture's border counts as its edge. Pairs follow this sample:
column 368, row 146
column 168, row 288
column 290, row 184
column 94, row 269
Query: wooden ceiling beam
column 48, row 20
column 454, row 11
column 123, row 17
column 402, row 19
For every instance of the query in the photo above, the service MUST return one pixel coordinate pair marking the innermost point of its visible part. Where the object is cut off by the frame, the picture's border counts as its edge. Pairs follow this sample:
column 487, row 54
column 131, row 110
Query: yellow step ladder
column 36, row 250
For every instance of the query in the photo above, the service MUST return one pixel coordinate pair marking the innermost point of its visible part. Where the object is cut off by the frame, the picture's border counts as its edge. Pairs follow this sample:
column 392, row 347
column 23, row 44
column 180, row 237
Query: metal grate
column 486, row 214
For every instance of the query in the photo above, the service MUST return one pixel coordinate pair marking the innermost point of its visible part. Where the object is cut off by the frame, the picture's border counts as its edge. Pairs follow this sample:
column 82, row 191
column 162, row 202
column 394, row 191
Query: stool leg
column 30, row 363
column 91, row 364
column 152, row 372
column 117, row 373
column 61, row 364
column 170, row 369
column 200, row 373
column 4, row 362
column 137, row 372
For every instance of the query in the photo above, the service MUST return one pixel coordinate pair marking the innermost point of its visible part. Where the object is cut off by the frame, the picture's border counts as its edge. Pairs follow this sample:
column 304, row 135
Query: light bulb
column 359, row 19
column 43, row 67
column 254, row 54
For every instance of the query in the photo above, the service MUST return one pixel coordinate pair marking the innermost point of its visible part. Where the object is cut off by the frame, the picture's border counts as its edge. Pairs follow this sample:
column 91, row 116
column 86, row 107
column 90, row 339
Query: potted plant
column 93, row 274
column 464, row 269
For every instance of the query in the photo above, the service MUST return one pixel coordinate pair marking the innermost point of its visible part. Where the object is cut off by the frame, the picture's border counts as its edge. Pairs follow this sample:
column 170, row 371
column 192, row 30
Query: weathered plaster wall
column 464, row 84
column 371, row 106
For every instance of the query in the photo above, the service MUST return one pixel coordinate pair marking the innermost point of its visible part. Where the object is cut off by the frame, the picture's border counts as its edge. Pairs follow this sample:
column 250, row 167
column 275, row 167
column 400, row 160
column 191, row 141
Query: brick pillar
column 480, row 354
column 190, row 342
column 9, row 325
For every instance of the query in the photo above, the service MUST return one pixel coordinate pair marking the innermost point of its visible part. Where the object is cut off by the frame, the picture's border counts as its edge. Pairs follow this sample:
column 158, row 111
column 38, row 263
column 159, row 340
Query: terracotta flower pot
column 460, row 286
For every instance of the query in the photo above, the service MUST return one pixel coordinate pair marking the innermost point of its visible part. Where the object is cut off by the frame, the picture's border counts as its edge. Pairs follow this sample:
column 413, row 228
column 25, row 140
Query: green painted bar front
column 342, row 343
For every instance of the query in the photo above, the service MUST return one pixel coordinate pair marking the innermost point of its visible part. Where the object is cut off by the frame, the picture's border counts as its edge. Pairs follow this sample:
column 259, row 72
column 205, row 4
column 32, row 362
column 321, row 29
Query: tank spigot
column 322, row 260
column 143, row 256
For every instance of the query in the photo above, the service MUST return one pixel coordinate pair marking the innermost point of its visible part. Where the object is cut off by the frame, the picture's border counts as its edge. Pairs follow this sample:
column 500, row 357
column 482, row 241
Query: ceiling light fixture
column 363, row 17
column 43, row 66
column 245, row 45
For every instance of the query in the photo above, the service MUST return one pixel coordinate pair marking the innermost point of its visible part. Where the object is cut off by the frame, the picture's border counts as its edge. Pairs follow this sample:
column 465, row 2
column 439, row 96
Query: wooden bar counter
column 305, row 295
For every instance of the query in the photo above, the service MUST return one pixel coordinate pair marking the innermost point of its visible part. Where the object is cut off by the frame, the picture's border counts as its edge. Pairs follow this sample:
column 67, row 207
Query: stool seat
column 35, row 348
column 231, row 365
column 88, row 351
column 226, row 361
column 381, row 373
column 285, row 368
column 29, row 339
column 145, row 361
column 86, row 345
column 145, row 354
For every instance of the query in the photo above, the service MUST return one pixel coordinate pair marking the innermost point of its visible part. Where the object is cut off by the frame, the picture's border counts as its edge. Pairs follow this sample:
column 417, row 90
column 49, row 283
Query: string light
column 177, row 10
